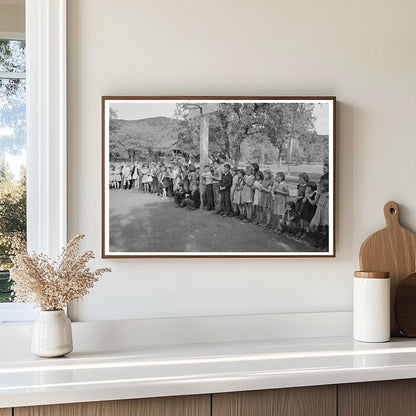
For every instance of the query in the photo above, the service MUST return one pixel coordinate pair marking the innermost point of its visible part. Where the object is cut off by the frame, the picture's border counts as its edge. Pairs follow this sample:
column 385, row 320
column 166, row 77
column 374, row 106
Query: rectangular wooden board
column 300, row 401
column 160, row 406
column 381, row 398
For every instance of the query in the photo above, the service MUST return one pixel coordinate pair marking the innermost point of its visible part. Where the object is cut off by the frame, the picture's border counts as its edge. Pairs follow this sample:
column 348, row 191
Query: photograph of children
column 219, row 177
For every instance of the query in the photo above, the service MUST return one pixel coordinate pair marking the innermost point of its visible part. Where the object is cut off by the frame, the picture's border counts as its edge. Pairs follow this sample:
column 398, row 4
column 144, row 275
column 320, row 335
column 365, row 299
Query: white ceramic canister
column 371, row 322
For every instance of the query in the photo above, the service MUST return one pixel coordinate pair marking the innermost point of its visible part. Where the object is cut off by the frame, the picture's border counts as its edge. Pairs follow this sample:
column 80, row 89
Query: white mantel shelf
column 151, row 371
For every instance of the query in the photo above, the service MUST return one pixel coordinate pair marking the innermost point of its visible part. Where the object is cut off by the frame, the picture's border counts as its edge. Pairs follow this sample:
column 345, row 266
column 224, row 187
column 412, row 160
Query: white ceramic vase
column 52, row 334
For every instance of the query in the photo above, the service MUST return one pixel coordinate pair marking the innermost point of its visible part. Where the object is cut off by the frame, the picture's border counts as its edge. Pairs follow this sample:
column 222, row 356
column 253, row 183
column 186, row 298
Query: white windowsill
column 12, row 35
column 16, row 313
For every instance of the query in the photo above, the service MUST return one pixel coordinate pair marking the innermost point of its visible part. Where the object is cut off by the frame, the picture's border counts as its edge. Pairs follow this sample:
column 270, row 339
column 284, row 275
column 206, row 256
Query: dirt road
column 144, row 223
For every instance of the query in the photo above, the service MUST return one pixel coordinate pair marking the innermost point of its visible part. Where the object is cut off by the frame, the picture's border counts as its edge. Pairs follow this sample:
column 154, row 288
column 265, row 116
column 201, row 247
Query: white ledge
column 169, row 370
column 122, row 334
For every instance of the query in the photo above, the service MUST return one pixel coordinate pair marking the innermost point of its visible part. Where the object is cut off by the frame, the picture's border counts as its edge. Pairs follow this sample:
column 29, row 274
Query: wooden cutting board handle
column 391, row 214
column 393, row 250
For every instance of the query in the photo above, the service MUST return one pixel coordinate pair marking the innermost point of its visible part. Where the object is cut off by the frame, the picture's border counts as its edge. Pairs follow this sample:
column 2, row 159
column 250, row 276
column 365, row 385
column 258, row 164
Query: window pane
column 12, row 117
column 12, row 56
column 12, row 174
column 5, row 291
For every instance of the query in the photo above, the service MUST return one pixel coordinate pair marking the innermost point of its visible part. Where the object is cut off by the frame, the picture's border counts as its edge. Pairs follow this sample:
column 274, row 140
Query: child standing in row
column 163, row 181
column 303, row 180
column 112, row 176
column 281, row 192
column 225, row 189
column 266, row 198
column 208, row 195
column 308, row 209
column 238, row 193
column 256, row 207
column 248, row 193
column 320, row 221
column 234, row 207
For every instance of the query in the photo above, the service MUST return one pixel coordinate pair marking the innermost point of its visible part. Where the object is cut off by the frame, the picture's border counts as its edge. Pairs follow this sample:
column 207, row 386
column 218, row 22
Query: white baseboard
column 113, row 335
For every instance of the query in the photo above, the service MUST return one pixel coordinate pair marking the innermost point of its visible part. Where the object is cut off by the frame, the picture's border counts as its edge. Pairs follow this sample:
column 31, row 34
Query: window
column 12, row 154
column 12, row 165
column 46, row 134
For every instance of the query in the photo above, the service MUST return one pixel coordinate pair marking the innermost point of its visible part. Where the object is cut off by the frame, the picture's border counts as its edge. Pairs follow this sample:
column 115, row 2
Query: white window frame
column 46, row 125
column 14, row 312
column 46, row 133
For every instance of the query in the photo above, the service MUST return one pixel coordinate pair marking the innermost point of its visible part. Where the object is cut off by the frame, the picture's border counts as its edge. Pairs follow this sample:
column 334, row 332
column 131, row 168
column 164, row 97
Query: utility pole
column 202, row 111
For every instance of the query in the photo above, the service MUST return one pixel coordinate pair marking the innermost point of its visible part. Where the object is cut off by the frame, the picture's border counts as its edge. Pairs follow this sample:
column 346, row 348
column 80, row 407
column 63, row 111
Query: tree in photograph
column 270, row 118
column 250, row 123
column 186, row 131
column 259, row 150
column 129, row 145
column 313, row 147
column 144, row 139
column 284, row 123
column 113, row 119
column 300, row 121
column 232, row 125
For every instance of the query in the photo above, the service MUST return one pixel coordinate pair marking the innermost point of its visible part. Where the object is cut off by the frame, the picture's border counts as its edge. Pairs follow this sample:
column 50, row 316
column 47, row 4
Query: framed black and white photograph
column 218, row 176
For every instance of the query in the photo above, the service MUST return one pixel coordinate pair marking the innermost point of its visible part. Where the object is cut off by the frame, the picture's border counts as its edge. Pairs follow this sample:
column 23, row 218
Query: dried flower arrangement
column 53, row 285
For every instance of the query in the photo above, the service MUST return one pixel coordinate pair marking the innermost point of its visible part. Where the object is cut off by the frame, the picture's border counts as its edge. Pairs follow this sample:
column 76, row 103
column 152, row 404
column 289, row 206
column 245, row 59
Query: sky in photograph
column 321, row 114
column 138, row 111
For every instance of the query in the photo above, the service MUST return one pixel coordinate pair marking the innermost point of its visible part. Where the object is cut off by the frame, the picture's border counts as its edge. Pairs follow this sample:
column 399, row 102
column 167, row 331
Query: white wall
column 361, row 51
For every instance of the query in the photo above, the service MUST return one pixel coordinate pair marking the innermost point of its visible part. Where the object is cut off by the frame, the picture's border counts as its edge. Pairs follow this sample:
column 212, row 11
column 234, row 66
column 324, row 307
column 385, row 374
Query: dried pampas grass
column 53, row 285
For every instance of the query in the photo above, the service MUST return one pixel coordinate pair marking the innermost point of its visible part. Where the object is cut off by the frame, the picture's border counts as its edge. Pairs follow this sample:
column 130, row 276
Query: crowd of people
column 250, row 195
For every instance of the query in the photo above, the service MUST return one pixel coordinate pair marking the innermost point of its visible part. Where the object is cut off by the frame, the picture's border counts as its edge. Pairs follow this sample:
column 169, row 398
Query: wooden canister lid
column 372, row 275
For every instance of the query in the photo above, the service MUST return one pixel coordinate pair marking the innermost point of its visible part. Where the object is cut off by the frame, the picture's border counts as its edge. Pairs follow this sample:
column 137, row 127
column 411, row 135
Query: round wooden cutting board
column 392, row 250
